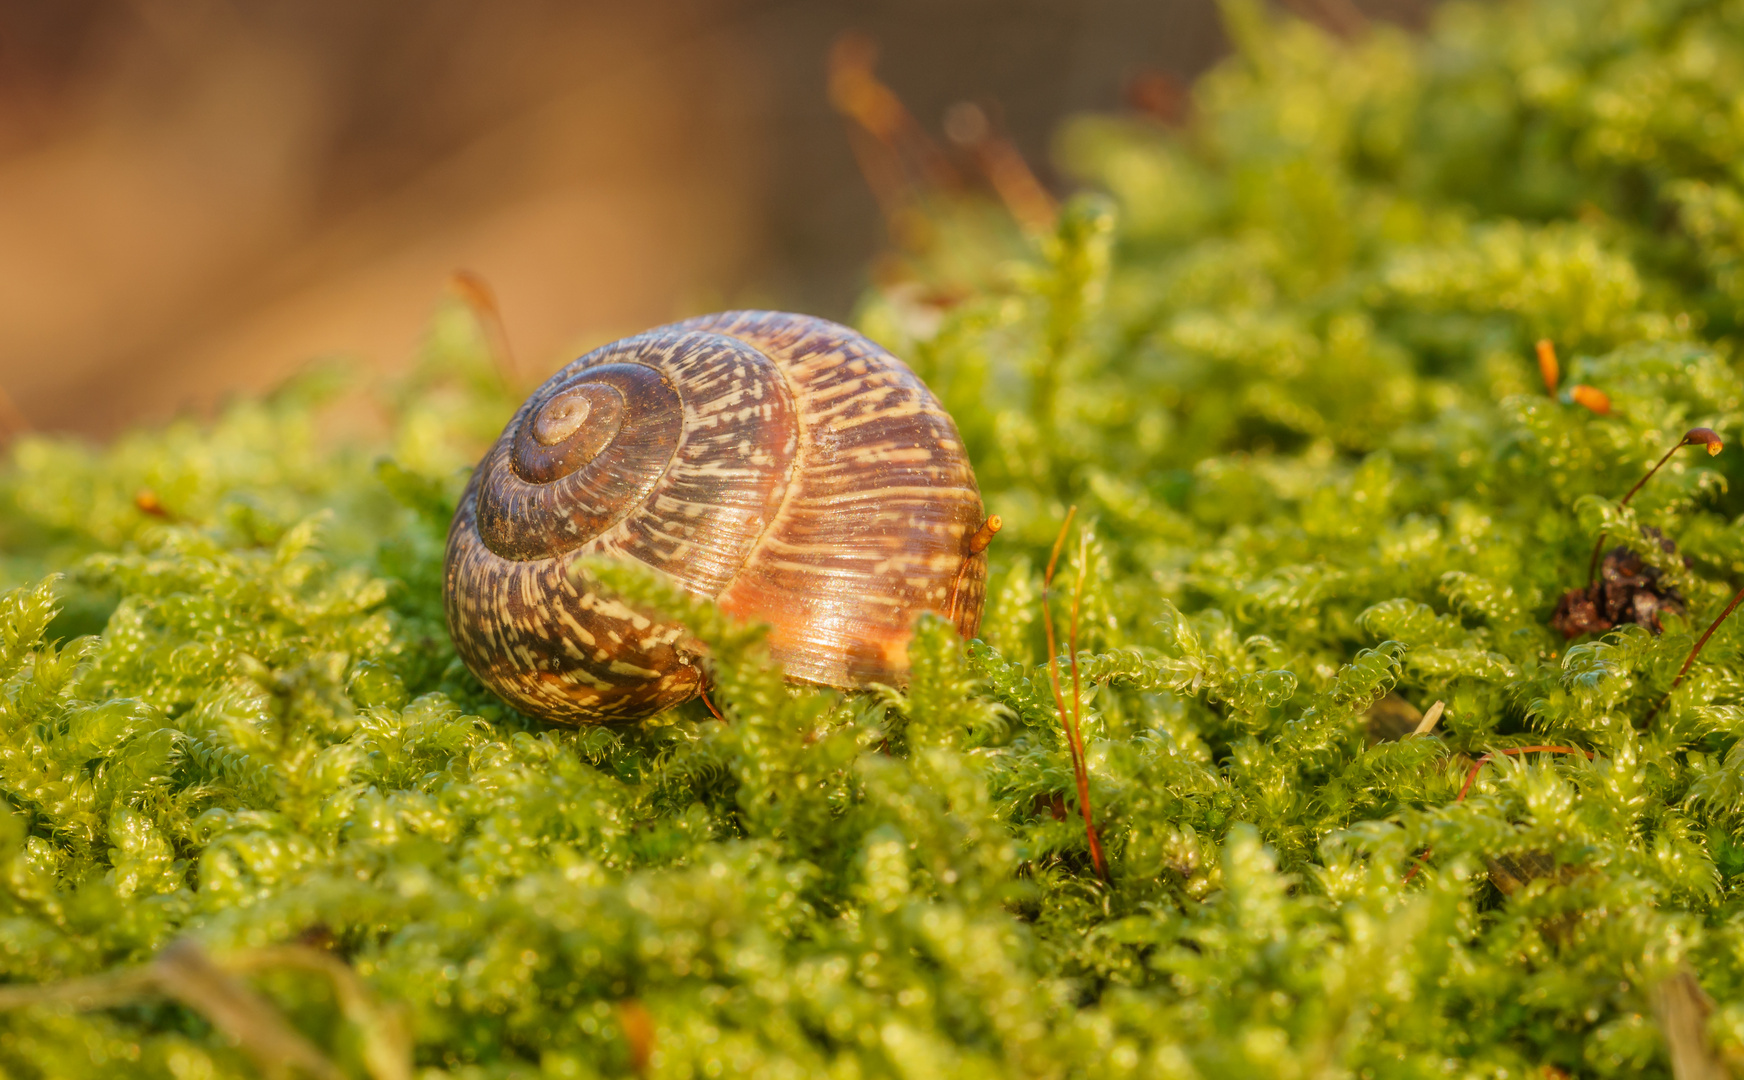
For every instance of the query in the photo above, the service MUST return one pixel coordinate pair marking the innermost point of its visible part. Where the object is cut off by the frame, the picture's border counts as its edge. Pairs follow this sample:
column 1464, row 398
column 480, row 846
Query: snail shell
column 785, row 466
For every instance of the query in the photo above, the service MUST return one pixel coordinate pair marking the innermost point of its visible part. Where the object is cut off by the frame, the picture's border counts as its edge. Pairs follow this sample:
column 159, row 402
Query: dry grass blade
column 89, row 992
column 1430, row 718
column 185, row 973
column 1682, row 1009
column 387, row 1044
column 1069, row 720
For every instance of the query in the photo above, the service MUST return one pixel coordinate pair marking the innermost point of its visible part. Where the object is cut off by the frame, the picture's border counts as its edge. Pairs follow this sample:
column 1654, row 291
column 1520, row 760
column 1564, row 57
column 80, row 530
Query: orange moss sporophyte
column 1590, row 398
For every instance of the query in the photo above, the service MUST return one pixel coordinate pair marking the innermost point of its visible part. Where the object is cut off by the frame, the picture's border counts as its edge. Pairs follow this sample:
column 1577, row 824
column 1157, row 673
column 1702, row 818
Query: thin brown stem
column 1083, row 771
column 476, row 292
column 1692, row 437
column 896, row 147
column 710, row 705
column 1471, row 777
column 1695, row 651
column 1079, row 772
column 1048, row 629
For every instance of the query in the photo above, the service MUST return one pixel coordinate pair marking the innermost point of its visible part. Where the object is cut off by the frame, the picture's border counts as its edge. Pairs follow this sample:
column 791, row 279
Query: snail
column 784, row 466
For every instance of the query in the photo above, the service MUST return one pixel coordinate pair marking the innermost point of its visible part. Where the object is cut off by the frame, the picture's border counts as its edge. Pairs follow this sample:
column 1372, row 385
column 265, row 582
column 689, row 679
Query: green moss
column 1283, row 367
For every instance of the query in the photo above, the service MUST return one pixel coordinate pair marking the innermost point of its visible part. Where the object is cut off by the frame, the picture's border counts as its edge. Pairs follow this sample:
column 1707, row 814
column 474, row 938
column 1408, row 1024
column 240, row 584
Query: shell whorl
column 783, row 465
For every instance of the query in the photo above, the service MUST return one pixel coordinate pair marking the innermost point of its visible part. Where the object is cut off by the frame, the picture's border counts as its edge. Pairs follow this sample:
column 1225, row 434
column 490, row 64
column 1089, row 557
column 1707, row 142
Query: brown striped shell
column 783, row 465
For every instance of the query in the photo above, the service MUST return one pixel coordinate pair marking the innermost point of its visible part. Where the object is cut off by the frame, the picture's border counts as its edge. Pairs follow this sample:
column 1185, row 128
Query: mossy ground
column 1283, row 366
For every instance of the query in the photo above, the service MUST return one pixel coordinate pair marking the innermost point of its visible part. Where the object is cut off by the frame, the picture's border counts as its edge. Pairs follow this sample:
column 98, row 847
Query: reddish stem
column 477, row 294
column 1471, row 778
column 1599, row 547
column 1079, row 771
column 1083, row 772
column 1695, row 651
column 711, row 706
column 1692, row 437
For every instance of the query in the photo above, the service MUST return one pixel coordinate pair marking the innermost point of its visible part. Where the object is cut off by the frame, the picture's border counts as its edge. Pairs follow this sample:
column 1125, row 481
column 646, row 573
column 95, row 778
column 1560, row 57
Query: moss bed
column 259, row 820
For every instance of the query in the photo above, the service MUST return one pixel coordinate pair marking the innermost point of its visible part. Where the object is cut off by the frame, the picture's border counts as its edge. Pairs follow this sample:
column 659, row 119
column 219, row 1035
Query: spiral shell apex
column 785, row 466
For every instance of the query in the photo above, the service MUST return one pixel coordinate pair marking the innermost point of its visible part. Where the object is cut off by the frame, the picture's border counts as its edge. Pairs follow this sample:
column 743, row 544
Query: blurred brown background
column 198, row 196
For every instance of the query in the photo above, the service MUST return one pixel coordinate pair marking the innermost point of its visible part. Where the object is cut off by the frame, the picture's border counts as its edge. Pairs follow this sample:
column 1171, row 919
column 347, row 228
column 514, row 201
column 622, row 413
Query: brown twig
column 183, row 971
column 1068, row 720
column 1471, row 778
column 1693, row 437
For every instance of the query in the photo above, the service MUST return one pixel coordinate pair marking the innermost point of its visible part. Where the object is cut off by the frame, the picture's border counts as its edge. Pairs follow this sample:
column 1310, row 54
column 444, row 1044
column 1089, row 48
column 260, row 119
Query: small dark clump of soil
column 1628, row 591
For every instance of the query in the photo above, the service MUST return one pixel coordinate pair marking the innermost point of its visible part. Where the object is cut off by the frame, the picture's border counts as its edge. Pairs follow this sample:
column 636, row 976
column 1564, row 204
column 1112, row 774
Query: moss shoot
column 258, row 820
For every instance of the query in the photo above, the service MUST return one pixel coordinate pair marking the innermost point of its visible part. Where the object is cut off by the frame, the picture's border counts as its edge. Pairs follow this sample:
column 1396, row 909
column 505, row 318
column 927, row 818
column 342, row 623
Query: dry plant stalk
column 888, row 142
column 1682, row 1009
column 1070, row 721
column 184, row 972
